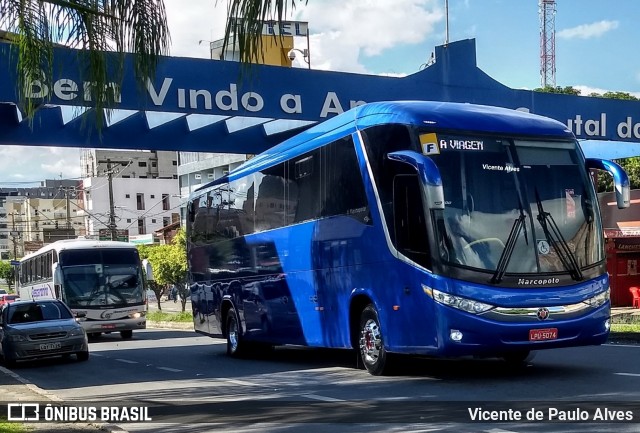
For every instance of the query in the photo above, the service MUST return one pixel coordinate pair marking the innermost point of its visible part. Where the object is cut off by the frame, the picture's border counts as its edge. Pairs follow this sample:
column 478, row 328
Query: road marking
column 173, row 370
column 320, row 397
column 623, row 345
column 241, row 382
column 628, row 374
column 126, row 361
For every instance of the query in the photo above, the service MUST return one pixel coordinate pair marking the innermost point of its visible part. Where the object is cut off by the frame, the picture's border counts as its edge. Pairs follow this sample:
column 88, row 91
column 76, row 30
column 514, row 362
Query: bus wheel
column 126, row 335
column 371, row 344
column 518, row 357
column 234, row 344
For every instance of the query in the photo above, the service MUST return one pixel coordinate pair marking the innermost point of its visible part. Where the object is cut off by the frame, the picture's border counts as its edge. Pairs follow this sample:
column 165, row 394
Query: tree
column 169, row 263
column 7, row 273
column 103, row 29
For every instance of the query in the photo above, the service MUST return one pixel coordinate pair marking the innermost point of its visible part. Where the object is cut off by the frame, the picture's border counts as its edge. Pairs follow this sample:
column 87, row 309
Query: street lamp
column 305, row 55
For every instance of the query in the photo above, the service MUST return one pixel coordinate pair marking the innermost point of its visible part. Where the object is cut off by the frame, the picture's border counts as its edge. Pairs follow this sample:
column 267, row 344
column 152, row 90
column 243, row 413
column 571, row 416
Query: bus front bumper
column 462, row 334
column 91, row 326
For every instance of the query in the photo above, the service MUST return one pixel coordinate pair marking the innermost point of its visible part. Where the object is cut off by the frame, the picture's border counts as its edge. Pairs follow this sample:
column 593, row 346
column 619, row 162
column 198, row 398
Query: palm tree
column 103, row 29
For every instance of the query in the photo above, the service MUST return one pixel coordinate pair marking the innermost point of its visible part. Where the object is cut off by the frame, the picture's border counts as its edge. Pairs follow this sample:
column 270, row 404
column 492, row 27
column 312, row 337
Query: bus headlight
column 459, row 302
column 137, row 315
column 599, row 299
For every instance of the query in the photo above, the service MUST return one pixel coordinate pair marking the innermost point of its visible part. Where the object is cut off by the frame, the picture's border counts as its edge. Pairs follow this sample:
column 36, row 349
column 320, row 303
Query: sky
column 596, row 49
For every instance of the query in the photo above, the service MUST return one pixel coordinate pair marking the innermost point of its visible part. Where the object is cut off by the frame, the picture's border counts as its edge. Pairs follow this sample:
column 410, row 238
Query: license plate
column 50, row 346
column 543, row 334
column 108, row 326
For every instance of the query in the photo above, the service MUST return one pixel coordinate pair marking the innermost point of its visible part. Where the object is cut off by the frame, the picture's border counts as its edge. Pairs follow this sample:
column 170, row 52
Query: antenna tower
column 547, row 11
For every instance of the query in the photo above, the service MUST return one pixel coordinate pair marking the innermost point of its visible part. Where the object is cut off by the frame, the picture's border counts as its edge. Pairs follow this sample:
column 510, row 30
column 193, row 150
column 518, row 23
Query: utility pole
column 112, row 213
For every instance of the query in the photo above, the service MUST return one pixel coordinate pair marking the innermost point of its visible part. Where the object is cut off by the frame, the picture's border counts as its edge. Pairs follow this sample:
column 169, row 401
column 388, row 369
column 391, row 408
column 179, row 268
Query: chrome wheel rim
column 370, row 341
column 233, row 335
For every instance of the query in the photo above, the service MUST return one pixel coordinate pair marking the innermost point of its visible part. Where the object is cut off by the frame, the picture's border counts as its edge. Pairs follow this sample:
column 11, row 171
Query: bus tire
column 371, row 343
column 82, row 356
column 126, row 335
column 235, row 347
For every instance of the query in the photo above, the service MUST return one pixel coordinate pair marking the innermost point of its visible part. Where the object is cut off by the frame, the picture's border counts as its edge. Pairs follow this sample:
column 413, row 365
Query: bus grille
column 47, row 335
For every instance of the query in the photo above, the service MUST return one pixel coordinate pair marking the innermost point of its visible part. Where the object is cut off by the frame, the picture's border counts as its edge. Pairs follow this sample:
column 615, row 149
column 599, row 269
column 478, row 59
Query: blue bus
column 423, row 228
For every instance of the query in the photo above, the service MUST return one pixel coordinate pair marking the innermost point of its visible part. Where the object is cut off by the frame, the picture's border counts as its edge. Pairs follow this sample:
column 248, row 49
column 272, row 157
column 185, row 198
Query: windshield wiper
column 505, row 257
column 557, row 241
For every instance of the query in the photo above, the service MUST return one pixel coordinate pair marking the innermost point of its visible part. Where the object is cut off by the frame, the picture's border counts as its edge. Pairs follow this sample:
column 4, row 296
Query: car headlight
column 459, row 302
column 16, row 337
column 599, row 299
column 75, row 332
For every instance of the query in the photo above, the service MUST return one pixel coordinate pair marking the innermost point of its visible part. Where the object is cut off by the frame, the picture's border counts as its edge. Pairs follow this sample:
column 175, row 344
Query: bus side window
column 409, row 220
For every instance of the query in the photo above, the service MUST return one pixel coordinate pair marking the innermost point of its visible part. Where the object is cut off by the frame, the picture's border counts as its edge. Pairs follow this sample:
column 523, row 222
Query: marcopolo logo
column 537, row 281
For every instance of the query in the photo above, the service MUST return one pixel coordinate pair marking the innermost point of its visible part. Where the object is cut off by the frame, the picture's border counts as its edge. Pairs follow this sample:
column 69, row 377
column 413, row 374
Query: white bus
column 100, row 281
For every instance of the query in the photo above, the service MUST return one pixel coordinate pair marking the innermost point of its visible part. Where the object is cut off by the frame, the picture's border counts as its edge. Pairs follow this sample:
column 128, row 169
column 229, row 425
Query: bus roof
column 75, row 244
column 439, row 116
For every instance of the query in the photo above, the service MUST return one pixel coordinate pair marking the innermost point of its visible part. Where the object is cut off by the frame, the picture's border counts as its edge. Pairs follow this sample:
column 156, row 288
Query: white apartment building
column 142, row 164
column 141, row 205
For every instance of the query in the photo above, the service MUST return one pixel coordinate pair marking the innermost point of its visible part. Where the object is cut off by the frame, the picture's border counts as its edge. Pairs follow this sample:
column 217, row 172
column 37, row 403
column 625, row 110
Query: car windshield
column 37, row 312
column 529, row 198
column 102, row 278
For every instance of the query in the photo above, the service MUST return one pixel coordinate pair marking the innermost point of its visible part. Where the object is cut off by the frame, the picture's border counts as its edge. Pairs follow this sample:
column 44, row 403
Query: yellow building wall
column 275, row 50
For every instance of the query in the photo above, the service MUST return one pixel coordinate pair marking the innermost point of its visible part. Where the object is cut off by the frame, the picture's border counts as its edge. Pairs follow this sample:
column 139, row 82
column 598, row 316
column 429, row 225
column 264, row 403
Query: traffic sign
column 15, row 262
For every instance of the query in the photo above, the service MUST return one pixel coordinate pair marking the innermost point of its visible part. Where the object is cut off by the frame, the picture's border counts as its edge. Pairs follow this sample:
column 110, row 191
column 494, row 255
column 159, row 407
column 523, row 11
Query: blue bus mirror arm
column 620, row 179
column 428, row 173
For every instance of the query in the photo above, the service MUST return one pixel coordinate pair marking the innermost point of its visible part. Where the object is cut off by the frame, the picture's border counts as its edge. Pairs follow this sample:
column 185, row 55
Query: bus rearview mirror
column 428, row 173
column 620, row 180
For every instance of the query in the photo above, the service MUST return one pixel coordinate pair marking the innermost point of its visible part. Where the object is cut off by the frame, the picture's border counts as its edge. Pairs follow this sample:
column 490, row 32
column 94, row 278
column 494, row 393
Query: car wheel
column 371, row 342
column 126, row 335
column 82, row 356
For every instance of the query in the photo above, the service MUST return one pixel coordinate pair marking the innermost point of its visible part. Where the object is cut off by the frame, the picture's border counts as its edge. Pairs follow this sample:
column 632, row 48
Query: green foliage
column 159, row 316
column 630, row 165
column 6, row 273
column 567, row 90
column 169, row 264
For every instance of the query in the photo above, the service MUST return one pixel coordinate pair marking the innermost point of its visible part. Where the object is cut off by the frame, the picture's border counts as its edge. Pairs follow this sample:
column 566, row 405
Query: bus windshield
column 101, row 278
column 516, row 206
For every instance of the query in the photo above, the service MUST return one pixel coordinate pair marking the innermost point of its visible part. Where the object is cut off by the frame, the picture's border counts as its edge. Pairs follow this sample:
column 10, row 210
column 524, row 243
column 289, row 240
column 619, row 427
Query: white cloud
column 343, row 31
column 587, row 31
column 36, row 163
column 587, row 90
column 193, row 21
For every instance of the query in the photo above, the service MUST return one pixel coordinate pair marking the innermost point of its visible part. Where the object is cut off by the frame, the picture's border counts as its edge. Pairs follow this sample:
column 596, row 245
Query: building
column 32, row 217
column 126, row 164
column 136, row 207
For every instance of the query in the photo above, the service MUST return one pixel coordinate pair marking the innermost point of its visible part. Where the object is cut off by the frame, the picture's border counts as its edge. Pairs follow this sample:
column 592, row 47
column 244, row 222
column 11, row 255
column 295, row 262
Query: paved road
column 304, row 389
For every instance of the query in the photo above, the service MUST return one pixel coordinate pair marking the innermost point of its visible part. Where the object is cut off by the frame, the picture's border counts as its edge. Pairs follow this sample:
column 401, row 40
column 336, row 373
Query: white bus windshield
column 101, row 278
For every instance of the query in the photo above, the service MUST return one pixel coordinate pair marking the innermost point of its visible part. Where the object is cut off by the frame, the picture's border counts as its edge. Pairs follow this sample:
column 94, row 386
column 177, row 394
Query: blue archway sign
column 209, row 106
